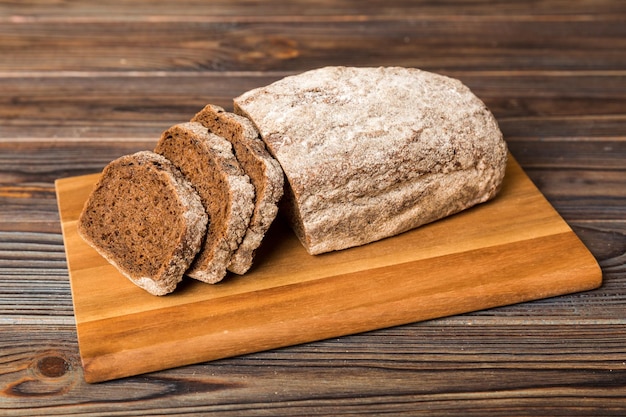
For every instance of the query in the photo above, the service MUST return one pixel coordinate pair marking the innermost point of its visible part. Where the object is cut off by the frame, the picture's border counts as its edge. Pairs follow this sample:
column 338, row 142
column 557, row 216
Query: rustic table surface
column 83, row 82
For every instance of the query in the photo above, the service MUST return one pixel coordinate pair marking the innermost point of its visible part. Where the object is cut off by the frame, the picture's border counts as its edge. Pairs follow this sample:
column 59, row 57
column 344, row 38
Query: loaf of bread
column 369, row 153
column 208, row 162
column 145, row 218
column 264, row 172
column 361, row 154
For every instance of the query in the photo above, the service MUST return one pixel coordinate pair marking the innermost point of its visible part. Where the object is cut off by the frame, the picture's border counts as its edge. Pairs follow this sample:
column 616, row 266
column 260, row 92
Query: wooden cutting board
column 515, row 248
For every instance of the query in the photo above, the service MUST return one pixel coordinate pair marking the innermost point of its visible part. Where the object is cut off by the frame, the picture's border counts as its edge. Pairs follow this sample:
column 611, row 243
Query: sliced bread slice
column 145, row 218
column 264, row 172
column 207, row 160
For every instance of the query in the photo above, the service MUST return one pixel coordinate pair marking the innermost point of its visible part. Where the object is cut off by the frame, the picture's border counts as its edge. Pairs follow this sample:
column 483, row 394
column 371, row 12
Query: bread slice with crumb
column 208, row 162
column 264, row 171
column 146, row 219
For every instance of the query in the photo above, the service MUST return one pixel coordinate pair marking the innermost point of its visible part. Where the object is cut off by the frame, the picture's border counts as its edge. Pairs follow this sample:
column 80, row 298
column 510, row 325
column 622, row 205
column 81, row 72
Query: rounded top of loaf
column 370, row 121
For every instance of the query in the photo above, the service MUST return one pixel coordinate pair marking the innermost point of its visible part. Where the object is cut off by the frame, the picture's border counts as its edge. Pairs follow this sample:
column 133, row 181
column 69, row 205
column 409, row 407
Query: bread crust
column 263, row 170
column 146, row 219
column 372, row 152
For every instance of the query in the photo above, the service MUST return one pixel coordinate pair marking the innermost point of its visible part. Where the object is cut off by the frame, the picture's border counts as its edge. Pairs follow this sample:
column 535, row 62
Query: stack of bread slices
column 198, row 205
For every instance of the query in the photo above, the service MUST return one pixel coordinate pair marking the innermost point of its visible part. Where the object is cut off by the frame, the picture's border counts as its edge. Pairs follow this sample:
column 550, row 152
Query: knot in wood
column 53, row 366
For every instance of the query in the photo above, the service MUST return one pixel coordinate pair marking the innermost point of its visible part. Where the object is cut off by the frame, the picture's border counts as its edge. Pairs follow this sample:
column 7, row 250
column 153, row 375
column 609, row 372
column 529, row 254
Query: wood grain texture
column 492, row 255
column 529, row 105
column 551, row 70
column 117, row 10
column 268, row 44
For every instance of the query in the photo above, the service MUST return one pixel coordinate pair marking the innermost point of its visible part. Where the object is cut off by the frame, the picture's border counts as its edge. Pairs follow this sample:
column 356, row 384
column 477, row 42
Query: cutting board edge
column 97, row 369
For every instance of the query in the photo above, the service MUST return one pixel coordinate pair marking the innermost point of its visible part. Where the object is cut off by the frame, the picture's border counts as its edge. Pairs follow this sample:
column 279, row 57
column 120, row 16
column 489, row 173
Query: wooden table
column 83, row 82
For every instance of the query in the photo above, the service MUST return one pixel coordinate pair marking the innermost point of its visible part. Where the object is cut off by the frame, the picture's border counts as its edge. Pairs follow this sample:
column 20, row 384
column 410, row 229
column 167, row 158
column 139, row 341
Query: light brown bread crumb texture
column 372, row 152
column 208, row 162
column 262, row 169
column 144, row 218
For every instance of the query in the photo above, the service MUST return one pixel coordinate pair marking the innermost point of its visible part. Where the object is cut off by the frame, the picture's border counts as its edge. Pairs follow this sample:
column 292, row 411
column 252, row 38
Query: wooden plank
column 263, row 44
column 189, row 9
column 492, row 255
column 430, row 366
column 528, row 105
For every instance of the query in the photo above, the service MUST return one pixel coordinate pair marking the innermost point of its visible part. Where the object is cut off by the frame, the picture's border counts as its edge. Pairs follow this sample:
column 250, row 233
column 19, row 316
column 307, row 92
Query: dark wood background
column 83, row 82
